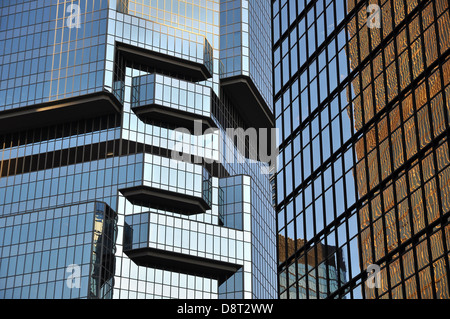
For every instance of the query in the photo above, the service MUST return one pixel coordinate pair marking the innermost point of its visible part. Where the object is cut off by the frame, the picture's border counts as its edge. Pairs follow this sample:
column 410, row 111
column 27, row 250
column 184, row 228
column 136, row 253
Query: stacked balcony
column 201, row 250
column 59, row 111
column 172, row 185
column 246, row 57
column 180, row 103
column 182, row 53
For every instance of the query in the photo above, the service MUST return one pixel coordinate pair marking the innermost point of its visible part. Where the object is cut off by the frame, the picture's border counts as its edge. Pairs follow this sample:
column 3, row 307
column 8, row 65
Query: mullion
column 327, row 40
column 393, row 176
column 312, row 138
column 359, row 67
column 358, row 207
column 335, row 159
column 310, row 162
column 378, row 150
column 417, row 141
column 365, row 151
column 432, row 133
column 293, row 202
column 391, row 149
column 446, row 120
column 330, row 139
column 322, row 177
column 320, row 170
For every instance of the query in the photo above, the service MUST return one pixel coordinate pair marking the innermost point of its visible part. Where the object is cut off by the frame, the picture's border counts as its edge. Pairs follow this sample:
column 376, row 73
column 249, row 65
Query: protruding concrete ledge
column 162, row 199
column 172, row 116
column 59, row 111
column 163, row 62
column 184, row 263
column 249, row 102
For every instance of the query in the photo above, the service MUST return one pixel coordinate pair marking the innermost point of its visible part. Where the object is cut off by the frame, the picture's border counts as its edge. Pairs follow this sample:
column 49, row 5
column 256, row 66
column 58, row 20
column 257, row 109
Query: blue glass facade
column 39, row 246
column 91, row 107
column 245, row 39
column 42, row 59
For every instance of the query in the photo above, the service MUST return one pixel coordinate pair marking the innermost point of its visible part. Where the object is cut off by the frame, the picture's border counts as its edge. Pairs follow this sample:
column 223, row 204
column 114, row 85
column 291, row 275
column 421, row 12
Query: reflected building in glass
column 362, row 93
column 117, row 179
column 327, row 269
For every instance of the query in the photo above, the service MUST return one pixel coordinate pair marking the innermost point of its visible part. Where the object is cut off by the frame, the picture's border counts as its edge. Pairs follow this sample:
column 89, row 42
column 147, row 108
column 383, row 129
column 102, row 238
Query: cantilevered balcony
column 59, row 111
column 164, row 48
column 202, row 250
column 169, row 100
column 246, row 76
column 249, row 102
column 169, row 184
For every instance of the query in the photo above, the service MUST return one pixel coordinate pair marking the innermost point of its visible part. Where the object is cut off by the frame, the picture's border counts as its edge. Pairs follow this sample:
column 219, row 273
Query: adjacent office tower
column 117, row 178
column 362, row 93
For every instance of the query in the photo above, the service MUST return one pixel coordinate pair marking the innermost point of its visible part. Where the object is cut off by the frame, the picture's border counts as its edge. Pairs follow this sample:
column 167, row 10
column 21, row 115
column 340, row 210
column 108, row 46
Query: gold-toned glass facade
column 402, row 104
column 362, row 94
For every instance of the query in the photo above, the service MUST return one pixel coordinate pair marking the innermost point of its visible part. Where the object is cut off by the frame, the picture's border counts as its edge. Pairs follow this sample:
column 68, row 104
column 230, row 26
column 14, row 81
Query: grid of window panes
column 259, row 43
column 364, row 154
column 56, row 166
column 38, row 246
column 234, row 196
column 158, row 127
column 231, row 37
column 327, row 276
column 91, row 160
column 42, row 59
column 245, row 43
column 176, row 176
column 187, row 237
column 164, row 39
column 103, row 256
column 263, row 237
column 199, row 44
column 171, row 92
column 192, row 16
column 161, row 137
column 119, row 21
column 329, row 260
column 87, row 180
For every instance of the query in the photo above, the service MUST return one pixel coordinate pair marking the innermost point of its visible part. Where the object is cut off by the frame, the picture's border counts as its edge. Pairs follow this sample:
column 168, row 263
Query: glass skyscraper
column 362, row 94
column 117, row 179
